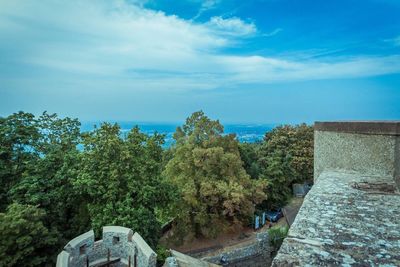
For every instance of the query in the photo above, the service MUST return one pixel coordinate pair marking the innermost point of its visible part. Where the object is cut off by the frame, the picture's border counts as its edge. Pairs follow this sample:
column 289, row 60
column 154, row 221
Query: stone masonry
column 257, row 254
column 351, row 216
column 119, row 245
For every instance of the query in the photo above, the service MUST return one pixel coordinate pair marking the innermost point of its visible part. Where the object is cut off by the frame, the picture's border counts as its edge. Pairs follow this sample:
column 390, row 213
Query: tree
column 18, row 137
column 286, row 157
column 48, row 183
column 279, row 175
column 25, row 241
column 249, row 156
column 216, row 193
column 120, row 178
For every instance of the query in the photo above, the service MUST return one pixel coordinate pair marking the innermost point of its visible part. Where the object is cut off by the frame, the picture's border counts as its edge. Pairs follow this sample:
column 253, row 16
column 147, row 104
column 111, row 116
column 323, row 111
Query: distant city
column 245, row 133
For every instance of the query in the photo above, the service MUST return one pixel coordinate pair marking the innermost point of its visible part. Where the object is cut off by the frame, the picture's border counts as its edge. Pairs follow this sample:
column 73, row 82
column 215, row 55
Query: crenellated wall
column 119, row 245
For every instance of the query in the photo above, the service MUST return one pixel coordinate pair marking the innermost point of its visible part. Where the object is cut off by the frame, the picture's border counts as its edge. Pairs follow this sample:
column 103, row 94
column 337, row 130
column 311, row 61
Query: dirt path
column 236, row 239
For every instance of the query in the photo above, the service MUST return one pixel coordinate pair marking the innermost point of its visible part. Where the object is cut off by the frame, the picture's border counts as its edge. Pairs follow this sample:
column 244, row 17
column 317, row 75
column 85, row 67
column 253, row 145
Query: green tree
column 48, row 183
column 216, row 193
column 18, row 137
column 25, row 241
column 286, row 157
column 249, row 156
column 120, row 178
column 279, row 175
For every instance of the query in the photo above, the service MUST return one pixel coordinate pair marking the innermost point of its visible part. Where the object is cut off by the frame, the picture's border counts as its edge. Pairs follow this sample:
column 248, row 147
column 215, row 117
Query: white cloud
column 205, row 6
column 232, row 26
column 113, row 45
column 272, row 33
column 268, row 70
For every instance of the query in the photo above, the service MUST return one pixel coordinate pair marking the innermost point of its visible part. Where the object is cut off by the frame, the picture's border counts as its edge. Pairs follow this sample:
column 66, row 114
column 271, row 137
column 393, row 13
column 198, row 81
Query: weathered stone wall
column 350, row 217
column 340, row 224
column 257, row 254
column 178, row 259
column 79, row 247
column 118, row 242
column 370, row 154
column 146, row 256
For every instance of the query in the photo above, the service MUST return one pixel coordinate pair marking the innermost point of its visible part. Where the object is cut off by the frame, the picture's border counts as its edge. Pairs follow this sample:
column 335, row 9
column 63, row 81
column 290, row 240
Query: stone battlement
column 119, row 247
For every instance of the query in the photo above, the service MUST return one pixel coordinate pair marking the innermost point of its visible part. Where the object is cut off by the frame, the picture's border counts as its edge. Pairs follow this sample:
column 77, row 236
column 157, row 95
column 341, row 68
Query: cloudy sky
column 253, row 61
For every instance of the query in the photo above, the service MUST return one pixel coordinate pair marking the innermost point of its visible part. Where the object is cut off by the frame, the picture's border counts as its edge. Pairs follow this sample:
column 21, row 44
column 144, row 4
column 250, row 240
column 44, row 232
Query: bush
column 276, row 236
column 162, row 254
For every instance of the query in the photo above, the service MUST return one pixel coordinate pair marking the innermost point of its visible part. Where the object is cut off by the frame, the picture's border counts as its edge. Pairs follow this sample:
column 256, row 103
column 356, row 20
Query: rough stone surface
column 373, row 154
column 340, row 224
column 351, row 216
column 253, row 255
column 146, row 255
column 182, row 260
column 171, row 262
column 120, row 242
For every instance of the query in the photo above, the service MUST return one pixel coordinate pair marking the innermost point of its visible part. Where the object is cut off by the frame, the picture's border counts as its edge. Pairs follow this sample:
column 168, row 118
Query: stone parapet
column 365, row 147
column 350, row 216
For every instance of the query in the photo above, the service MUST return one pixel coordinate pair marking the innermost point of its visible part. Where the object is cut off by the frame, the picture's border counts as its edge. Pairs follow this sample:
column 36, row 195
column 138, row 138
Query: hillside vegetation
column 56, row 182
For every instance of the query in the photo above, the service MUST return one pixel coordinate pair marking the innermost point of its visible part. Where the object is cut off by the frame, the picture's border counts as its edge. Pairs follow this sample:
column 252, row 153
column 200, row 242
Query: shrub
column 276, row 236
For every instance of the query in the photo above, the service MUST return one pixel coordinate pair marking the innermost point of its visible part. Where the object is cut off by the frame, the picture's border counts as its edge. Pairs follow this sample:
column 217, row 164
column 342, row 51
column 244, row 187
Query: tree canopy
column 111, row 179
column 25, row 240
column 57, row 182
column 286, row 157
column 120, row 179
column 213, row 185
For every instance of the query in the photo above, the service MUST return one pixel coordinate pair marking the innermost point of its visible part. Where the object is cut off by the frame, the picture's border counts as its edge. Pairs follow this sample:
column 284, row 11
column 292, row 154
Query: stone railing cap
column 143, row 246
column 360, row 127
column 63, row 259
column 116, row 229
column 77, row 240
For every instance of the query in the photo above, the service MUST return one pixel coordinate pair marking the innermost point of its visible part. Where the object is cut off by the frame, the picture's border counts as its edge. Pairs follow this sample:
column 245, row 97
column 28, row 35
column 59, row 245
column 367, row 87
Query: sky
column 253, row 61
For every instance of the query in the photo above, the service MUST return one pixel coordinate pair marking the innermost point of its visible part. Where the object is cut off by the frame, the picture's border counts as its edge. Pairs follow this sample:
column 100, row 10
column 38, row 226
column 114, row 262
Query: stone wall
column 367, row 147
column 118, row 243
column 257, row 254
column 178, row 259
column 350, row 217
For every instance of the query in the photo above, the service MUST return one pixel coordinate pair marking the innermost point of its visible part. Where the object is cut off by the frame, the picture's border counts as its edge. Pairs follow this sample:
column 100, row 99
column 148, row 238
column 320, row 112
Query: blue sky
column 254, row 61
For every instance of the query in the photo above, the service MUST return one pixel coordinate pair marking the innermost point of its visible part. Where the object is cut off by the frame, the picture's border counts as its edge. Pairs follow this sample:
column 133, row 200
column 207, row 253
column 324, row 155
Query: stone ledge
column 341, row 224
column 360, row 127
column 143, row 246
column 77, row 241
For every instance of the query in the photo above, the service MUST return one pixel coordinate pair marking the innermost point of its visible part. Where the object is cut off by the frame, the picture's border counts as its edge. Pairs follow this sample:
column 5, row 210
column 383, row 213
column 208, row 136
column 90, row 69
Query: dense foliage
column 286, row 157
column 249, row 155
column 25, row 240
column 56, row 182
column 112, row 180
column 120, row 179
column 215, row 188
